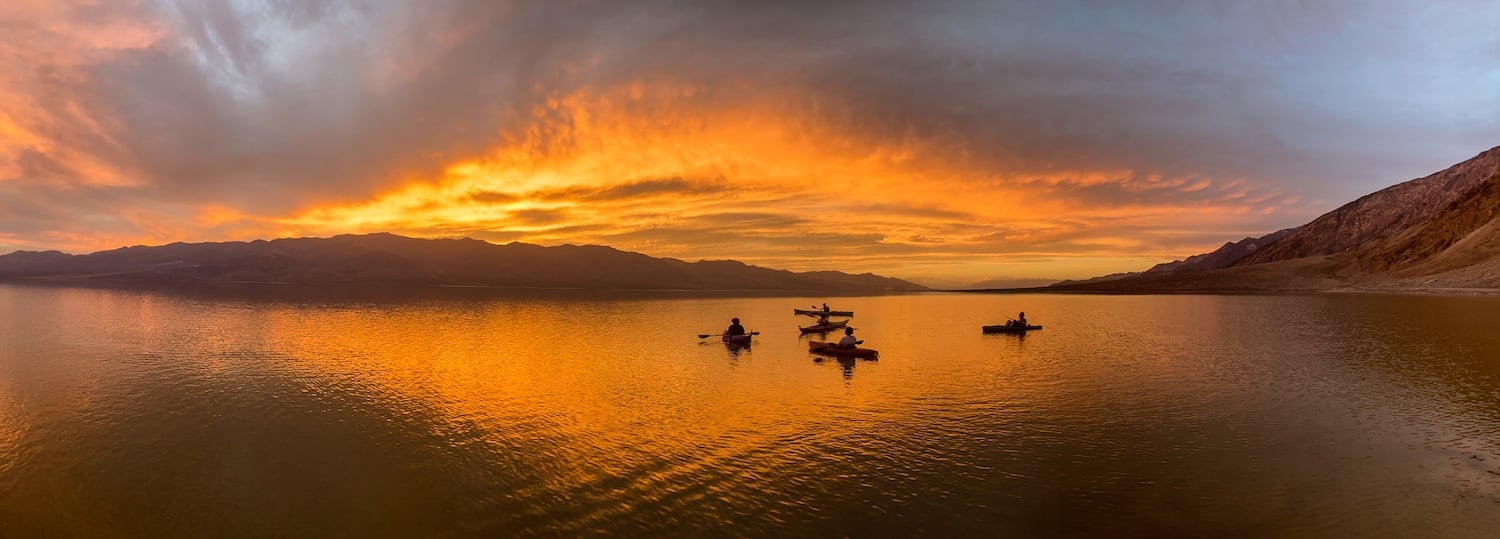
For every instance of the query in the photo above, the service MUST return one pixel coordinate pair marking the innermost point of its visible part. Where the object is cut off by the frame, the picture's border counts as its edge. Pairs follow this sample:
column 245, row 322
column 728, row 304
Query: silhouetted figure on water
column 1019, row 321
column 734, row 328
column 848, row 341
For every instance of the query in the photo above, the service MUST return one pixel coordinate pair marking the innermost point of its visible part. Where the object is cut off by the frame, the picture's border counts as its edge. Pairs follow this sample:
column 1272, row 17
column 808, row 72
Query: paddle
column 707, row 335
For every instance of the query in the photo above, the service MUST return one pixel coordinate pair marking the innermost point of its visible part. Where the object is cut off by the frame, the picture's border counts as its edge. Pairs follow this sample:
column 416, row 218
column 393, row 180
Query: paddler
column 734, row 328
column 848, row 341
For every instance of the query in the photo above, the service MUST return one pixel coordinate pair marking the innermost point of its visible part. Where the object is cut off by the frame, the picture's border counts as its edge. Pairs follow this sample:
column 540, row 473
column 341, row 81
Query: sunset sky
column 942, row 141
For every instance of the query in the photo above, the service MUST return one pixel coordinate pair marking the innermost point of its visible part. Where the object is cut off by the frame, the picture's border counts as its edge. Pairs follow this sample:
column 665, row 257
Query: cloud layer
column 946, row 141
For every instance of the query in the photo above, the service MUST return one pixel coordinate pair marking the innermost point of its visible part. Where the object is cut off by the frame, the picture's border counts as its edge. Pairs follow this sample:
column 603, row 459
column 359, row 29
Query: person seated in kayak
column 825, row 307
column 822, row 320
column 734, row 328
column 848, row 341
column 1020, row 320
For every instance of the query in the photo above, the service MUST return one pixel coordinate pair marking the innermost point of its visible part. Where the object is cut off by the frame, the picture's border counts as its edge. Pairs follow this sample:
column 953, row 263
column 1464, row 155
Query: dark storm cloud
column 289, row 100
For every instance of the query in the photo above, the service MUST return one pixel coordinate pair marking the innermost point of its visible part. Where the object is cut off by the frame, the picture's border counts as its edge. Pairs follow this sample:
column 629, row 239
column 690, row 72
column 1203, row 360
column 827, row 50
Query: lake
column 309, row 412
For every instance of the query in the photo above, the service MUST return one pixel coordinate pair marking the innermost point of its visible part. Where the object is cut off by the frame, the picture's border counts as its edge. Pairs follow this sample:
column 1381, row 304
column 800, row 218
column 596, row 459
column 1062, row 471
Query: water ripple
column 150, row 414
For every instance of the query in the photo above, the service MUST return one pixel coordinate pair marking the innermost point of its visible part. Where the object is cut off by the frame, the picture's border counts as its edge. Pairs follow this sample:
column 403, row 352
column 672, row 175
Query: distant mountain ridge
column 1223, row 257
column 388, row 259
column 1441, row 231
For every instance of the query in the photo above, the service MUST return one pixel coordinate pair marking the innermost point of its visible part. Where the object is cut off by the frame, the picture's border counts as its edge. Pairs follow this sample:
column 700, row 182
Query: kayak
column 824, row 328
column 1009, row 329
column 828, row 349
column 742, row 340
column 815, row 312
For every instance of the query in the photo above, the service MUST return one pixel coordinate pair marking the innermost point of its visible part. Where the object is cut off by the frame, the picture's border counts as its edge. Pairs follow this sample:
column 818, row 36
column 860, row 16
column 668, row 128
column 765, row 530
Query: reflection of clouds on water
column 1420, row 371
column 565, row 414
column 13, row 426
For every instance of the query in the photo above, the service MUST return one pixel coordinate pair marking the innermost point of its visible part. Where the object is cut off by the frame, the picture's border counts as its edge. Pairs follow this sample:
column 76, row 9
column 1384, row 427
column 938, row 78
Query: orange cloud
column 47, row 48
column 671, row 171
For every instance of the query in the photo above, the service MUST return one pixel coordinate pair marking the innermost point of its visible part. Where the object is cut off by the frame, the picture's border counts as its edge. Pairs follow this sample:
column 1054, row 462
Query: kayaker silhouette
column 1020, row 320
column 734, row 328
column 848, row 341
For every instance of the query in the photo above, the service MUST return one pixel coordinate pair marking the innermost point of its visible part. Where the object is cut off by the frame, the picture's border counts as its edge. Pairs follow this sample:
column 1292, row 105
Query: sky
column 946, row 142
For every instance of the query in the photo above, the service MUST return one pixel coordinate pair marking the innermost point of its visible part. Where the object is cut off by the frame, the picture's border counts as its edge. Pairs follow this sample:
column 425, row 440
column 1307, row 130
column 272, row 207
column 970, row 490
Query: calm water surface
column 150, row 414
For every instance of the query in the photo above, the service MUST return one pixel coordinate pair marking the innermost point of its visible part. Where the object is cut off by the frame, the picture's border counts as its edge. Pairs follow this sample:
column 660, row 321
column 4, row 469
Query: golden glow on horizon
column 654, row 170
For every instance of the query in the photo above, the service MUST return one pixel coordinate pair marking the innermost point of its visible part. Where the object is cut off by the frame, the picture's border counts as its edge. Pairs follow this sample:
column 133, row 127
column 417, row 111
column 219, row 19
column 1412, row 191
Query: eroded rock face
column 1383, row 214
column 1456, row 236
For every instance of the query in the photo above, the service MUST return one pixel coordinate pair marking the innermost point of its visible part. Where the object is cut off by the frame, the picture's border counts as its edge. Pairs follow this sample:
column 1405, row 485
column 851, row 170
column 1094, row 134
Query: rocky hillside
column 1382, row 214
column 1424, row 244
column 386, row 259
column 1441, row 231
column 1458, row 247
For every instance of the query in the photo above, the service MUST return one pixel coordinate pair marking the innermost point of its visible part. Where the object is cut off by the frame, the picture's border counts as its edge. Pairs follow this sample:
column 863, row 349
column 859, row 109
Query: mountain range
column 1441, row 231
column 387, row 259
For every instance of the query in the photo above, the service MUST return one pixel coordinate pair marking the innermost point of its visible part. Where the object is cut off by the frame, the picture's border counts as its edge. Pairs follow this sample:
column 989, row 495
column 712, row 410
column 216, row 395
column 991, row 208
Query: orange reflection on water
column 564, row 413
